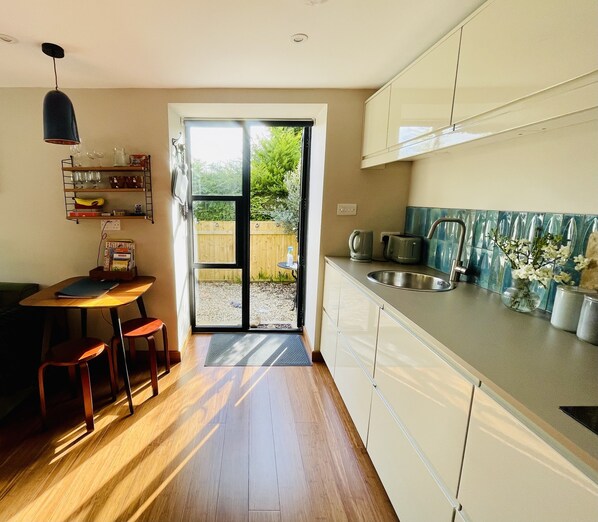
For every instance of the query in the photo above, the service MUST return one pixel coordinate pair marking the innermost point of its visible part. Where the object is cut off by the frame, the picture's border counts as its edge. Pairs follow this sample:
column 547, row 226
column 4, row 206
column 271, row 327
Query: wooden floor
column 247, row 444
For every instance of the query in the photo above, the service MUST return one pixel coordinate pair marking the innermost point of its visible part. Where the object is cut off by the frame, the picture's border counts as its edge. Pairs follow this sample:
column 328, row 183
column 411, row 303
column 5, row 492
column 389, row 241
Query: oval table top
column 126, row 292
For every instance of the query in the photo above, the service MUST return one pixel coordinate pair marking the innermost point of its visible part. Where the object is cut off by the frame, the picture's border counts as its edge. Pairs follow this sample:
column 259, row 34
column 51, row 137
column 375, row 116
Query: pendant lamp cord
column 55, row 75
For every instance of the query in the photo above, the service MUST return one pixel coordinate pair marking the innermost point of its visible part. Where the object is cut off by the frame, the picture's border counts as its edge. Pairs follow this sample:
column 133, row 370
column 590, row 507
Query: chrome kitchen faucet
column 456, row 268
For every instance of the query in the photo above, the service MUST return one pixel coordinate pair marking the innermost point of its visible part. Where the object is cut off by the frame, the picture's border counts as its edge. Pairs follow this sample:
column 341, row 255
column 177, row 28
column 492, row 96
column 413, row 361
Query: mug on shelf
column 116, row 182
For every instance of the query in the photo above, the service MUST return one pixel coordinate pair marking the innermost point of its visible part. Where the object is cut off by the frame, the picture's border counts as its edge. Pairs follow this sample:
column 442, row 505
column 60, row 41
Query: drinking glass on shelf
column 97, row 178
column 77, row 178
column 99, row 155
column 88, row 179
column 92, row 156
column 76, row 153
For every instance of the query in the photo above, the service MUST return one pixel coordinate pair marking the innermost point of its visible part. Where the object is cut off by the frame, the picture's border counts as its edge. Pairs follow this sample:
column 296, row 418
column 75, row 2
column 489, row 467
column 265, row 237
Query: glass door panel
column 214, row 226
column 276, row 153
column 217, row 160
column 219, row 297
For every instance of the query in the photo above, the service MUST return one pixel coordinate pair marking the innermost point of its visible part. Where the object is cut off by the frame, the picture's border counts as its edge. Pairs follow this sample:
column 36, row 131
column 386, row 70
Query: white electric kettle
column 360, row 245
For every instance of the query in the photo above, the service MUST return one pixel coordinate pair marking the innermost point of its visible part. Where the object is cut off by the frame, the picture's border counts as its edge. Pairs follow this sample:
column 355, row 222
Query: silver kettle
column 360, row 245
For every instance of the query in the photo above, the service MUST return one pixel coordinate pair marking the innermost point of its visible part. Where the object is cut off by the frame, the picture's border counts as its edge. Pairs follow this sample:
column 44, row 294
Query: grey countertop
column 529, row 366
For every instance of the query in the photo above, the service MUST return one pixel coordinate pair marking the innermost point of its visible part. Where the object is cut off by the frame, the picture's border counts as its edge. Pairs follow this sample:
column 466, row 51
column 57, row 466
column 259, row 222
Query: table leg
column 83, row 322
column 141, row 306
column 118, row 333
column 47, row 335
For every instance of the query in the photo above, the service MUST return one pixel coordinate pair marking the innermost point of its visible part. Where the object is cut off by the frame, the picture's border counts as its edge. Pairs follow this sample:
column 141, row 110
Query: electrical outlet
column 346, row 209
column 383, row 234
column 110, row 224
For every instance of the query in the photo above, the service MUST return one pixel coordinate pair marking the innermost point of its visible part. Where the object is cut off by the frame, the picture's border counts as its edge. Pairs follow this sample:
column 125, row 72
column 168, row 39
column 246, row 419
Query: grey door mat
column 253, row 349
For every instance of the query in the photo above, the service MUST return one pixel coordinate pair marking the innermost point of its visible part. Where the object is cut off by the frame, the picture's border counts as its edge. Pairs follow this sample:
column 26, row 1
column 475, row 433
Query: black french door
column 224, row 289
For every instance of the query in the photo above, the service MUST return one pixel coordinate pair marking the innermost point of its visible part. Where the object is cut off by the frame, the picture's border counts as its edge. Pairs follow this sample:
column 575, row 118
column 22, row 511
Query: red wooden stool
column 145, row 327
column 73, row 353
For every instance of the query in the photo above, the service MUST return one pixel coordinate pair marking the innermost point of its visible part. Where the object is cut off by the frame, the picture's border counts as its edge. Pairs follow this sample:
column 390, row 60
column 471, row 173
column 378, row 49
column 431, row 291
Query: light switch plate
column 346, row 209
column 110, row 224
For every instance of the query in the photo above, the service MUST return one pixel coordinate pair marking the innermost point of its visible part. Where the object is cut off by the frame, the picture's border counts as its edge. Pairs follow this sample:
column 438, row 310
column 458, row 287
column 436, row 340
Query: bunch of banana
column 96, row 202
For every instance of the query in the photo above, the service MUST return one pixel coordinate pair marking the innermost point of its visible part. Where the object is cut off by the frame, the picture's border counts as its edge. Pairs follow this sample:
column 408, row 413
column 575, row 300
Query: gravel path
column 219, row 303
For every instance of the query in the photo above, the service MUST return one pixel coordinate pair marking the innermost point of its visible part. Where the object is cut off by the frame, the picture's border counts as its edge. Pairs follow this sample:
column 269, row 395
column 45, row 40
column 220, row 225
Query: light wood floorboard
column 217, row 444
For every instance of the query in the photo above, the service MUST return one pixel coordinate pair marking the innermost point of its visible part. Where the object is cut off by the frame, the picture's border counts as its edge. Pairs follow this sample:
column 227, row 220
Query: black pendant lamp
column 60, row 124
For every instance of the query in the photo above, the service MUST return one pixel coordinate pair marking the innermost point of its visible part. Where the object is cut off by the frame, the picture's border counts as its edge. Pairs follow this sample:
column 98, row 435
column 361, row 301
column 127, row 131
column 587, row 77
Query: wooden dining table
column 126, row 292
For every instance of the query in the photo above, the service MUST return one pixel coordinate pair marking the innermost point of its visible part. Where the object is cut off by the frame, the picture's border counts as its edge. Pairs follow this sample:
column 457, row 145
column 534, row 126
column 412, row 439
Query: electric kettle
column 360, row 245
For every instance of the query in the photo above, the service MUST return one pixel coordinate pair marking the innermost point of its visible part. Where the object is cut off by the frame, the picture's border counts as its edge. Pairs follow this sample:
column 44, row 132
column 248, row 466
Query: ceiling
column 220, row 43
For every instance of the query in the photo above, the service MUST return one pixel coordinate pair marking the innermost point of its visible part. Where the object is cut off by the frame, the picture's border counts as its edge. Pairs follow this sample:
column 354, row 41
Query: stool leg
column 73, row 379
column 113, row 385
column 132, row 352
column 87, row 399
column 151, row 344
column 42, row 393
column 166, row 353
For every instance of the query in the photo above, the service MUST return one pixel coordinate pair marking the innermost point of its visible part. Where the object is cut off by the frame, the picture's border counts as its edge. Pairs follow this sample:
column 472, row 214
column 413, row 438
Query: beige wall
column 39, row 244
column 552, row 171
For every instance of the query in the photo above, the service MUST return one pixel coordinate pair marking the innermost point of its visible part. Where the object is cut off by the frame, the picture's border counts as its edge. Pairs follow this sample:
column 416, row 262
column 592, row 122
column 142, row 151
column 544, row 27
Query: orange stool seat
column 146, row 327
column 76, row 353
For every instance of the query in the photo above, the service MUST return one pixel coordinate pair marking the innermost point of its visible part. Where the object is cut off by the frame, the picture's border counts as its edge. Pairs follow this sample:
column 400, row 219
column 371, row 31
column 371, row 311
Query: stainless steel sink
column 410, row 281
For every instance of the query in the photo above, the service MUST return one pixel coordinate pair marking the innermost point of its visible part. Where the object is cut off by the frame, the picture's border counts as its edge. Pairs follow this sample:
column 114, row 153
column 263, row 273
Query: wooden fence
column 215, row 243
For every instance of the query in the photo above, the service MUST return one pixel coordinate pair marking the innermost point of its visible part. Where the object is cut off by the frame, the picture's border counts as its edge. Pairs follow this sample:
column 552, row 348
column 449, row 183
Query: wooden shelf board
column 128, row 168
column 105, row 190
column 75, row 218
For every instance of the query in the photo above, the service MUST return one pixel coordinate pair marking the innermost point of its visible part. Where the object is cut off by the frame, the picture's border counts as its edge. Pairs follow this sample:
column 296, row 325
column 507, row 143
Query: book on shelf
column 85, row 213
column 119, row 255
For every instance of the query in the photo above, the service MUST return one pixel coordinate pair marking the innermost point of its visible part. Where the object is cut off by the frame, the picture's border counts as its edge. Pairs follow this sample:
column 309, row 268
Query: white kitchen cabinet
column 332, row 290
column 358, row 322
column 421, row 97
column 375, row 122
column 328, row 339
column 429, row 397
column 411, row 488
column 511, row 49
column 354, row 386
column 509, row 473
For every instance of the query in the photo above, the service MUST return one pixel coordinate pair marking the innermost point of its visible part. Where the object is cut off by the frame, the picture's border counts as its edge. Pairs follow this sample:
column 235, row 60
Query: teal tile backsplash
column 485, row 262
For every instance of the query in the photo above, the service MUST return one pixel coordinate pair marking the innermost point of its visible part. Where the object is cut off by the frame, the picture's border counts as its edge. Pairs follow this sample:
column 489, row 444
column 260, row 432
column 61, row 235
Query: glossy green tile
column 590, row 226
column 479, row 229
column 518, row 222
column 490, row 224
column 533, row 227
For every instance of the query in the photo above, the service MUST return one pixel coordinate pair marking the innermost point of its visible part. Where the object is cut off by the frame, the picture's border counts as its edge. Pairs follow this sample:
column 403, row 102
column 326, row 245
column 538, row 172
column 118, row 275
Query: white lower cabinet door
column 431, row 398
column 328, row 342
column 358, row 321
column 354, row 386
column 332, row 291
column 509, row 473
column 413, row 491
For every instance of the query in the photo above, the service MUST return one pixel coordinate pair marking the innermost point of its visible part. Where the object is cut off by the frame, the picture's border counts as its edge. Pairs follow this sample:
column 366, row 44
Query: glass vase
column 520, row 297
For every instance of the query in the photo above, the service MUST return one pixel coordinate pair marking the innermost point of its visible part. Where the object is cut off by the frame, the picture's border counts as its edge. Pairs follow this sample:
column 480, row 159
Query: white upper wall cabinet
column 376, row 122
column 518, row 64
column 515, row 48
column 421, row 97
